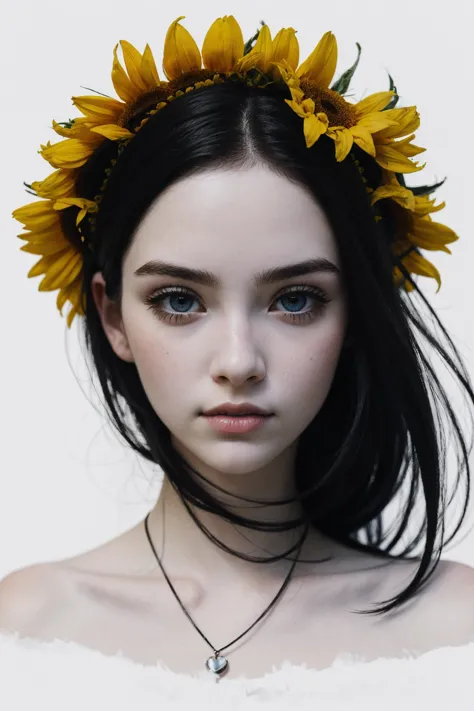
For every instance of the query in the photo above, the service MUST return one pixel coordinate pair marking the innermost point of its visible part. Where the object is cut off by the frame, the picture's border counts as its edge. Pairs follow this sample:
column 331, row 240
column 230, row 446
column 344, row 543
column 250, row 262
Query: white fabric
column 64, row 676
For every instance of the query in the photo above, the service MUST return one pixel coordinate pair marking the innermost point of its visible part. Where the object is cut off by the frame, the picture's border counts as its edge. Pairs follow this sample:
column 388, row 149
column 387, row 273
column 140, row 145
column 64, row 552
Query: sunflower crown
column 382, row 131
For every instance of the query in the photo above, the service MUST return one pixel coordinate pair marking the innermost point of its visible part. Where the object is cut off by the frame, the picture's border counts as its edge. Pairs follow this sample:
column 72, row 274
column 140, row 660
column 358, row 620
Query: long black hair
column 376, row 433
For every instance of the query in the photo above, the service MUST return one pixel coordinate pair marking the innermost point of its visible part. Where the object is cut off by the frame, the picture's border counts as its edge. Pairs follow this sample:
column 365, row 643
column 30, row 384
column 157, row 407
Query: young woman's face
column 273, row 344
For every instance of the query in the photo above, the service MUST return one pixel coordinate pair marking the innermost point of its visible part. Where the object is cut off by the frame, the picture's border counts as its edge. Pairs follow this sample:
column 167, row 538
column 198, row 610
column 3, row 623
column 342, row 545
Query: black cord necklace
column 216, row 664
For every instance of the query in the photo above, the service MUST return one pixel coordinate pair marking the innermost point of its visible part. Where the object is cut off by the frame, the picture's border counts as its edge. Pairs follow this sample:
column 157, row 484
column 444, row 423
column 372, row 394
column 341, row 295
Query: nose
column 239, row 356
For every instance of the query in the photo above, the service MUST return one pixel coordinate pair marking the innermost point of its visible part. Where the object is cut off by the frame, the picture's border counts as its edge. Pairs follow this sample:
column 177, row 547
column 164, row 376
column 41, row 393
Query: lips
column 229, row 409
column 233, row 414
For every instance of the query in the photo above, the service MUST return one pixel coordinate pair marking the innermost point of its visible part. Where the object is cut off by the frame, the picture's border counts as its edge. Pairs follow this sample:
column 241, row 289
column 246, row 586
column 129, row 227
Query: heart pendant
column 217, row 665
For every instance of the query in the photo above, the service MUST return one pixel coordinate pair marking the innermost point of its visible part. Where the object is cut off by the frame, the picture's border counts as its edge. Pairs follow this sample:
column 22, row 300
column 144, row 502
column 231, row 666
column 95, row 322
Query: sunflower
column 384, row 133
column 415, row 229
column 365, row 123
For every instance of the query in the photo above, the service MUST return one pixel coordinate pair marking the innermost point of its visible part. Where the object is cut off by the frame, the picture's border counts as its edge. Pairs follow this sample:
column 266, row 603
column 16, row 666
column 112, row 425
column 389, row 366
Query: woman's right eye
column 156, row 299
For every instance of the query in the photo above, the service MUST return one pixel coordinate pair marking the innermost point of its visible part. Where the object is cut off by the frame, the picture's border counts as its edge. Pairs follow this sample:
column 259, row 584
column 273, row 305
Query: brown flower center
column 151, row 98
column 188, row 79
column 144, row 102
column 338, row 111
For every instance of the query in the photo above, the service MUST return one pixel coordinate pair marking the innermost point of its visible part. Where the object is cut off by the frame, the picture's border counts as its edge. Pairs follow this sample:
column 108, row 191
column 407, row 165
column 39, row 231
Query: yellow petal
column 38, row 215
column 389, row 158
column 65, row 277
column 302, row 109
column 133, row 60
column 122, row 84
column 407, row 118
column 71, row 314
column 42, row 222
column 402, row 196
column 80, row 130
column 75, row 299
column 249, row 61
column 261, row 54
column 223, row 45
column 297, row 94
column 375, row 122
column 58, row 270
column 287, row 73
column 344, row 141
column 58, row 184
column 99, row 107
column 417, row 264
column 48, row 262
column 71, row 293
column 113, row 132
column 61, row 300
column 374, row 102
column 46, row 249
column 314, row 126
column 433, row 235
column 85, row 205
column 408, row 148
column 425, row 206
column 148, row 69
column 285, row 46
column 63, row 203
column 71, row 153
column 363, row 138
column 321, row 64
column 181, row 53
column 52, row 234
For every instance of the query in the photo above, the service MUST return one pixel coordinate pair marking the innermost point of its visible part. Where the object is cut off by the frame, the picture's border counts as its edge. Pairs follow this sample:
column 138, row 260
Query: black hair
column 376, row 432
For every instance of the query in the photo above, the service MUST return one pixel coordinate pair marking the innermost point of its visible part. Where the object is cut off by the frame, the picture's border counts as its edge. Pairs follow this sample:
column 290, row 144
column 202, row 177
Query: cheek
column 309, row 378
column 158, row 366
column 166, row 379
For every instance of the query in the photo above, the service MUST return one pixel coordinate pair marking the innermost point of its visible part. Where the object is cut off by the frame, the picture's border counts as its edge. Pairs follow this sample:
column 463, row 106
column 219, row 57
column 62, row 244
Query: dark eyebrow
column 268, row 276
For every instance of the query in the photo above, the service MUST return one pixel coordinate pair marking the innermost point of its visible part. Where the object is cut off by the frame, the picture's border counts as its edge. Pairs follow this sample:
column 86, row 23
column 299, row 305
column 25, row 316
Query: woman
column 239, row 242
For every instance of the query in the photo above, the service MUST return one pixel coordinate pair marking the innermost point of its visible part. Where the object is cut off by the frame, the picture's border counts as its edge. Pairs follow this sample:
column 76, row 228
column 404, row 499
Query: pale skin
column 235, row 342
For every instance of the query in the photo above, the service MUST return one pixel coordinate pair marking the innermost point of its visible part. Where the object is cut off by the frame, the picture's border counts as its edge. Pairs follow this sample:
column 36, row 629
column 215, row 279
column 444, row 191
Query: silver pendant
column 217, row 665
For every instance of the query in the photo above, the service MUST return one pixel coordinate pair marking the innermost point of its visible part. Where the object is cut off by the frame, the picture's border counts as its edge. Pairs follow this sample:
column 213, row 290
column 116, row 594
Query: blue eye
column 179, row 294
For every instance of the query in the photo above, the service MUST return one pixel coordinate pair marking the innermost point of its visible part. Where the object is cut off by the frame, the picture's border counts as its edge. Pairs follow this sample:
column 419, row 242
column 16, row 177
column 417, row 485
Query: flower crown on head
column 382, row 131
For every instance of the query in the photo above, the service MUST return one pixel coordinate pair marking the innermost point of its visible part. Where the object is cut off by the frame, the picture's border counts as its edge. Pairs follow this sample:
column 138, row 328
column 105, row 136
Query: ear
column 111, row 319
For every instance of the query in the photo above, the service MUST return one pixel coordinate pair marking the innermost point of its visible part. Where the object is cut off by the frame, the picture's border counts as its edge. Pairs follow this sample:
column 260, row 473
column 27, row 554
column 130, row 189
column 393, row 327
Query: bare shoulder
column 446, row 601
column 451, row 582
column 24, row 595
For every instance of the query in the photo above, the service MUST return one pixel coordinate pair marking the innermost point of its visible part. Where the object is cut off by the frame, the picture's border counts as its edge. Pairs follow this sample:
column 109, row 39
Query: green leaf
column 342, row 84
column 426, row 189
column 96, row 92
column 30, row 191
column 394, row 99
column 66, row 124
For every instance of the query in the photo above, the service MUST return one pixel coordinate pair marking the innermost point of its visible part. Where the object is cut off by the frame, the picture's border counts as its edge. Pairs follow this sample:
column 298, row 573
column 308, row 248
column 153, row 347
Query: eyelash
column 155, row 299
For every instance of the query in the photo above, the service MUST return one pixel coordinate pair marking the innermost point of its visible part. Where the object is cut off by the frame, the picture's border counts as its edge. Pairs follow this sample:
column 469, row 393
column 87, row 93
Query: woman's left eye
column 156, row 299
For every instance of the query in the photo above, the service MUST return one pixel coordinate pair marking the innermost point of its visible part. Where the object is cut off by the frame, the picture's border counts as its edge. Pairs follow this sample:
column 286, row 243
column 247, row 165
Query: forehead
column 250, row 215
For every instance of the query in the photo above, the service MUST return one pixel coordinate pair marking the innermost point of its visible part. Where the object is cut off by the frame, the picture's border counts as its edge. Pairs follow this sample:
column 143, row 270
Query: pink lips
column 236, row 424
column 231, row 408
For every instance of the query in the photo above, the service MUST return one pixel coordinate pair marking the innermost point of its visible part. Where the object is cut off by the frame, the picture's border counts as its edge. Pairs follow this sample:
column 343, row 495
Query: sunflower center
column 188, row 79
column 338, row 111
column 150, row 99
column 144, row 102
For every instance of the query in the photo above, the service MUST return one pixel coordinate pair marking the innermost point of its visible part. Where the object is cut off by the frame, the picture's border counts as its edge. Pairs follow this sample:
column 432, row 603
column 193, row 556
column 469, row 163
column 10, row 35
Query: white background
column 66, row 483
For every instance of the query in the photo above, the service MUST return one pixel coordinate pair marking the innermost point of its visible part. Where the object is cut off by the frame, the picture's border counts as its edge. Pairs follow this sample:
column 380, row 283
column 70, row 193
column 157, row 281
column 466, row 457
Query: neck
column 186, row 551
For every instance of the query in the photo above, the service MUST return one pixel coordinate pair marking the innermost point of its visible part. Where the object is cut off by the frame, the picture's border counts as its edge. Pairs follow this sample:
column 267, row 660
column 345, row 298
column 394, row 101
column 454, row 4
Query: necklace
column 217, row 664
